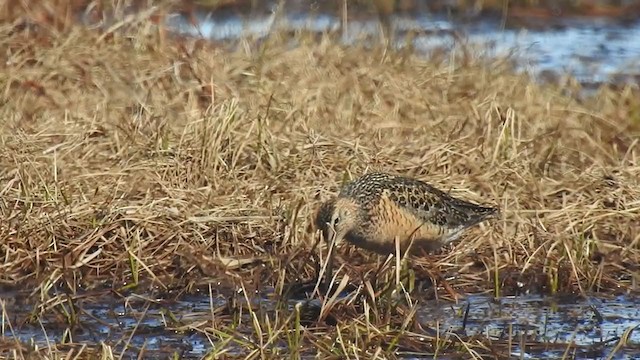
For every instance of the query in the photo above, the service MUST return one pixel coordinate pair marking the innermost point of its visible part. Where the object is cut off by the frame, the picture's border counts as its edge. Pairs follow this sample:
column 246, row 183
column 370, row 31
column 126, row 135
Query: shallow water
column 593, row 50
column 594, row 324
column 113, row 321
column 548, row 324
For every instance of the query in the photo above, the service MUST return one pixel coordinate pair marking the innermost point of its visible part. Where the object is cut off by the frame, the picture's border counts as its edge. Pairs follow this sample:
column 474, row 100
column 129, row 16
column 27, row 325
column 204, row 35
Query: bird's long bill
column 328, row 268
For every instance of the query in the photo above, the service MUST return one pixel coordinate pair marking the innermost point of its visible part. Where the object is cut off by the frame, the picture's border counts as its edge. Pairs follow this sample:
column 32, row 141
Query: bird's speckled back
column 423, row 200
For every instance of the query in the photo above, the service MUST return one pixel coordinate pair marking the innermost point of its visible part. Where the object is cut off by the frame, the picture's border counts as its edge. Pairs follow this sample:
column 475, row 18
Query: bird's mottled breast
column 386, row 220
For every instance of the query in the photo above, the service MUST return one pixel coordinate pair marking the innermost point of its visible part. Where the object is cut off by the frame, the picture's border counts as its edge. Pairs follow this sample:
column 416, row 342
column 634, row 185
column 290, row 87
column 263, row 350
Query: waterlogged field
column 591, row 50
column 527, row 326
column 157, row 196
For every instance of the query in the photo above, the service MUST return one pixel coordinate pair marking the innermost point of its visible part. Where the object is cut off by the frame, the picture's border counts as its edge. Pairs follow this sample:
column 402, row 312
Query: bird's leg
column 437, row 278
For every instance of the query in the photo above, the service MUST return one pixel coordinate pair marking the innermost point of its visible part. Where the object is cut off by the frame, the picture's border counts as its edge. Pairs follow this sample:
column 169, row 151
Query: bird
column 377, row 208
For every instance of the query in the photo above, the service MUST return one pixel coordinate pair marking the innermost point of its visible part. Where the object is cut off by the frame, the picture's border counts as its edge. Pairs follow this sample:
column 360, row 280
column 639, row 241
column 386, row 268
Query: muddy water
column 130, row 325
column 593, row 50
column 538, row 327
column 543, row 327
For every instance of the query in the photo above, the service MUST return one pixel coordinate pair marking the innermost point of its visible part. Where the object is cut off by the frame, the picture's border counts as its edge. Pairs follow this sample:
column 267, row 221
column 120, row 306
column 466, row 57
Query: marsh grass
column 136, row 162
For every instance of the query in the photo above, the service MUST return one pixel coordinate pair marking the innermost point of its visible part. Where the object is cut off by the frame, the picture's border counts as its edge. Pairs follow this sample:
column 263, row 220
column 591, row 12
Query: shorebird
column 372, row 211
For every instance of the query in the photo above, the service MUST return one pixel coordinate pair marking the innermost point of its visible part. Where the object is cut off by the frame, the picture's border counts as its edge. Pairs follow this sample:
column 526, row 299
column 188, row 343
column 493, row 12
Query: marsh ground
column 139, row 166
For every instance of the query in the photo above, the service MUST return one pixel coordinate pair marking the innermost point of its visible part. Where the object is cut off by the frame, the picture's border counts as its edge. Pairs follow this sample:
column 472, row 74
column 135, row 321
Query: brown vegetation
column 133, row 161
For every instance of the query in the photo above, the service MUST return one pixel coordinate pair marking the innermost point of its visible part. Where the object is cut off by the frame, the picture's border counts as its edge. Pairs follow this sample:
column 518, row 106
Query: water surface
column 593, row 50
column 535, row 326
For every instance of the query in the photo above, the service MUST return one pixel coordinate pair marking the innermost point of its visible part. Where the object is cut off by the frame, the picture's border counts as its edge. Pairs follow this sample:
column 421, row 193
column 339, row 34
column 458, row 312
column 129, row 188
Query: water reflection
column 592, row 50
column 596, row 323
column 545, row 325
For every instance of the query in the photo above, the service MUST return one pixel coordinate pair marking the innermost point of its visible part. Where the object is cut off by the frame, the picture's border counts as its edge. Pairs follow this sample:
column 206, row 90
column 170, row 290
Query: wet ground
column 534, row 327
column 593, row 50
column 543, row 327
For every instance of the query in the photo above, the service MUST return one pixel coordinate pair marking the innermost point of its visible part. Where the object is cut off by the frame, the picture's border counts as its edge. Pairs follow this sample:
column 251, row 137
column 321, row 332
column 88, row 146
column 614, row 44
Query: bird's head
column 337, row 217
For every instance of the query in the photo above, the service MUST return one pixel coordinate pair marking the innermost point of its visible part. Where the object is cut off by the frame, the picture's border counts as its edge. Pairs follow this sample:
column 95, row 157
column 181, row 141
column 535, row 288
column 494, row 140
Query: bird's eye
column 336, row 221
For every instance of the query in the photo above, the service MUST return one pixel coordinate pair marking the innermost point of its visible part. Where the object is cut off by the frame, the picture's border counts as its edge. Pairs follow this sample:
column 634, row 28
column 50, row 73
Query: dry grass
column 132, row 161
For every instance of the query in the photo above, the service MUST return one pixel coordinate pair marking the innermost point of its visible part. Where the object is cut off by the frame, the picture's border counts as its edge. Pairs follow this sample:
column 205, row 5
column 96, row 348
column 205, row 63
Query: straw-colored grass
column 133, row 161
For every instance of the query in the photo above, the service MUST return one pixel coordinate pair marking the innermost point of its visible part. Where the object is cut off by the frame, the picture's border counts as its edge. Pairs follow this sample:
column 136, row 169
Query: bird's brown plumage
column 371, row 211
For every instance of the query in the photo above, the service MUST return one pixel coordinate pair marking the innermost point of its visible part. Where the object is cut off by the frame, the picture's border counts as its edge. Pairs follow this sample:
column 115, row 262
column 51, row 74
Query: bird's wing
column 420, row 198
column 435, row 206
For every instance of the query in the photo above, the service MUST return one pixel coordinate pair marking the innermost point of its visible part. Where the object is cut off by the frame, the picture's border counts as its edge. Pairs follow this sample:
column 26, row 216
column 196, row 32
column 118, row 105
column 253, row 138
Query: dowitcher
column 374, row 210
